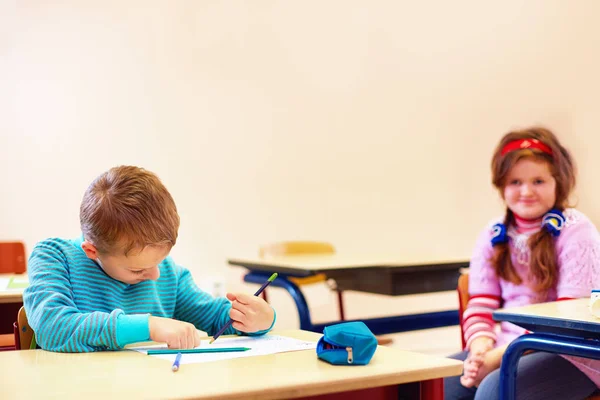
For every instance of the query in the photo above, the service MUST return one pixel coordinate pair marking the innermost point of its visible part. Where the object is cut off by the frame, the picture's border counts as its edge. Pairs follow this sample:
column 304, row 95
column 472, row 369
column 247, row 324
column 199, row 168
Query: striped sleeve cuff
column 132, row 328
column 477, row 319
column 478, row 334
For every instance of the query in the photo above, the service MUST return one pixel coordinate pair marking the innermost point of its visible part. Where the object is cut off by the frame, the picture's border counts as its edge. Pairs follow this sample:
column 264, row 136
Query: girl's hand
column 472, row 370
column 478, row 366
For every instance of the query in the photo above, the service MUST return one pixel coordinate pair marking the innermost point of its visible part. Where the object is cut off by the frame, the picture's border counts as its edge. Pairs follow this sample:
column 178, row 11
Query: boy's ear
column 90, row 250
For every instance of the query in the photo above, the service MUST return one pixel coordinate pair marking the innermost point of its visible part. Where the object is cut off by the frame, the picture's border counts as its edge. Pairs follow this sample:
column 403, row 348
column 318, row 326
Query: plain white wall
column 366, row 124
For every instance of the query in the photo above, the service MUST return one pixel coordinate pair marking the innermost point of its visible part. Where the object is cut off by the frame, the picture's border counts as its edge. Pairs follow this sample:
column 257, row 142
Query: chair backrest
column 12, row 258
column 26, row 339
column 463, row 299
column 295, row 247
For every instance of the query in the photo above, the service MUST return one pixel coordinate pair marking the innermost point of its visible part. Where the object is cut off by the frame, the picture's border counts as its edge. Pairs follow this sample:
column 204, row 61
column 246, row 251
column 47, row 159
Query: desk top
column 9, row 294
column 565, row 317
column 304, row 265
column 36, row 374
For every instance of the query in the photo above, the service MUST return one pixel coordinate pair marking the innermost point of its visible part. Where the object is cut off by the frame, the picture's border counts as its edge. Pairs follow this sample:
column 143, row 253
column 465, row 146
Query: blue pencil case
column 348, row 343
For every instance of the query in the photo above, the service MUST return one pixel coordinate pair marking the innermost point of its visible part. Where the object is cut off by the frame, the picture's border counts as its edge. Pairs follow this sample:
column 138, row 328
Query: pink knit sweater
column 578, row 256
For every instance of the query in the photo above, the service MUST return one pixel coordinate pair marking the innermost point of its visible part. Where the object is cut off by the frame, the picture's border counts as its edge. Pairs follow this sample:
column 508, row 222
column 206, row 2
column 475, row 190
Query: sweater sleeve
column 54, row 317
column 578, row 256
column 207, row 313
column 484, row 292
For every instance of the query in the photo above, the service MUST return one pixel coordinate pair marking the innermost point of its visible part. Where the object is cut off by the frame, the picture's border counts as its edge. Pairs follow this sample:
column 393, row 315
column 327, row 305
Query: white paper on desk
column 260, row 345
column 14, row 283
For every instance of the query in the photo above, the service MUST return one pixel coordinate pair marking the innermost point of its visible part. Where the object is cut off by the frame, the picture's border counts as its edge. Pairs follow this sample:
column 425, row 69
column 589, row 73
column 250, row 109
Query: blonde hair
column 543, row 266
column 128, row 208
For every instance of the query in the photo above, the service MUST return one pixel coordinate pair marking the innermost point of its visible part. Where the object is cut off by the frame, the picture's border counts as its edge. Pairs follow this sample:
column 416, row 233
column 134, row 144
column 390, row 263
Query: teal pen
column 175, row 366
column 197, row 351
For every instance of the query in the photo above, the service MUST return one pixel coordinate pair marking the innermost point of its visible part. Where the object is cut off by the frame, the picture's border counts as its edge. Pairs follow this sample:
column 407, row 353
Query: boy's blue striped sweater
column 73, row 306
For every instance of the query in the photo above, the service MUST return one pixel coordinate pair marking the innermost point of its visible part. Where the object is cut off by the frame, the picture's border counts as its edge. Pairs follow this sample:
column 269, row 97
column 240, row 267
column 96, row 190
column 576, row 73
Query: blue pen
column 175, row 366
column 259, row 291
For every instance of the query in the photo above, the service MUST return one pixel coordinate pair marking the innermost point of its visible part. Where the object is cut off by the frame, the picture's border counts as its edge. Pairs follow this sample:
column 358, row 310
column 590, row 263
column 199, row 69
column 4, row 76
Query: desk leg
column 546, row 342
column 283, row 282
column 427, row 390
column 432, row 389
column 341, row 304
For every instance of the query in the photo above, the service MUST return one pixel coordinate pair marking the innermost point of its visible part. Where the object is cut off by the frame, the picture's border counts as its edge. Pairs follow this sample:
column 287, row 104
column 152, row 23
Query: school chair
column 12, row 258
column 12, row 261
column 24, row 335
column 306, row 248
column 463, row 299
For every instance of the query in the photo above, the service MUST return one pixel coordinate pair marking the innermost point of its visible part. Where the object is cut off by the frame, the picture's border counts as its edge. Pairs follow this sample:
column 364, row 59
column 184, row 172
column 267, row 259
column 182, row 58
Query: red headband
column 526, row 144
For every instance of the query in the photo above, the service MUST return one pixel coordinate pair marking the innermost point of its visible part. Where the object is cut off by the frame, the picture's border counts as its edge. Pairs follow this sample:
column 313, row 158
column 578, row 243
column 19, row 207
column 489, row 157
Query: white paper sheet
column 14, row 283
column 261, row 345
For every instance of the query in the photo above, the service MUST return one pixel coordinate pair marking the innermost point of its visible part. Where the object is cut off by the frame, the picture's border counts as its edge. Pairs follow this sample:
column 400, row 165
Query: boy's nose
column 153, row 274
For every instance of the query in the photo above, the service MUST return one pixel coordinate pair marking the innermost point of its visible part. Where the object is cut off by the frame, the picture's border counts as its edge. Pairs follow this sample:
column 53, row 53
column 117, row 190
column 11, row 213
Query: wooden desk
column 569, row 317
column 9, row 295
column 562, row 327
column 11, row 301
column 37, row 374
column 386, row 276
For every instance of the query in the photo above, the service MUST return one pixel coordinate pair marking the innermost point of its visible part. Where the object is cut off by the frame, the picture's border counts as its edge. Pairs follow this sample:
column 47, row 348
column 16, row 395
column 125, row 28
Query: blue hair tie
column 554, row 221
column 499, row 235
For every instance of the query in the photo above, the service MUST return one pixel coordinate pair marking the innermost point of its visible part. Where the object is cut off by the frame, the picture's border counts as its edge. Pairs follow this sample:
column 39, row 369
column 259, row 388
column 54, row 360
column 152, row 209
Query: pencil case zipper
column 350, row 357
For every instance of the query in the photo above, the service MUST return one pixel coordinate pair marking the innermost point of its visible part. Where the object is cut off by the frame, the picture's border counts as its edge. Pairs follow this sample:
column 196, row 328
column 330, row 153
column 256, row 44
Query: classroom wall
column 366, row 124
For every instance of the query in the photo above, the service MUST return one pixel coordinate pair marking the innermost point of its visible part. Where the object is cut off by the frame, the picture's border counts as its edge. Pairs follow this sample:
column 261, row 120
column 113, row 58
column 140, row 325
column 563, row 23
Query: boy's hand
column 176, row 334
column 250, row 313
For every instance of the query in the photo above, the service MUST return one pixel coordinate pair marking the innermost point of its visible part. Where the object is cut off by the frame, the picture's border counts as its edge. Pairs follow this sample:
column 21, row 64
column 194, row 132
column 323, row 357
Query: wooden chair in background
column 463, row 300
column 24, row 335
column 12, row 261
column 12, row 258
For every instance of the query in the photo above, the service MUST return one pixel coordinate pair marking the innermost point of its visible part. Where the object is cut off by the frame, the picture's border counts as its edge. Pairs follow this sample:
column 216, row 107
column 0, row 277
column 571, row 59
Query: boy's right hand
column 176, row 334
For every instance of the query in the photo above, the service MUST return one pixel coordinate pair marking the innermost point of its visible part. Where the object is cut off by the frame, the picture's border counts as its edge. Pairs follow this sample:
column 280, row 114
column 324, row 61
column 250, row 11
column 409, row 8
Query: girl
column 540, row 251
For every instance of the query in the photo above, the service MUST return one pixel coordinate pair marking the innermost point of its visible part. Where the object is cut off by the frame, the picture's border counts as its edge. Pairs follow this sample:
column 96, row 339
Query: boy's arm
column 207, row 313
column 54, row 317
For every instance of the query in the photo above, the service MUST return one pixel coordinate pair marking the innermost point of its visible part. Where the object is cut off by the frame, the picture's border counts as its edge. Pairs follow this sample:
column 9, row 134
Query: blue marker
column 175, row 366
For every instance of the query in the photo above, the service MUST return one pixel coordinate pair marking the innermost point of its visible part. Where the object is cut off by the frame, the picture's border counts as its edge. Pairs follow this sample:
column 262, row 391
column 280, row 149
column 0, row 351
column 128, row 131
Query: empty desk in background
column 11, row 299
column 363, row 274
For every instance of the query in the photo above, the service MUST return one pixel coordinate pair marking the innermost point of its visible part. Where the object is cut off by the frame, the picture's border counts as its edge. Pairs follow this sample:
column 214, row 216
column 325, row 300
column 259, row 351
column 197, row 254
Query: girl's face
column 530, row 189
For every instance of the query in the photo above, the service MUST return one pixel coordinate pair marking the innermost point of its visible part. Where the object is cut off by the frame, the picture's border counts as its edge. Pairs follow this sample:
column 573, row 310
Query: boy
column 117, row 285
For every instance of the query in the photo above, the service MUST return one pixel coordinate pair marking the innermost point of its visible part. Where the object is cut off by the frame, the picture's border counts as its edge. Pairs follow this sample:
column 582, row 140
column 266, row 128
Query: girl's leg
column 453, row 390
column 541, row 376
